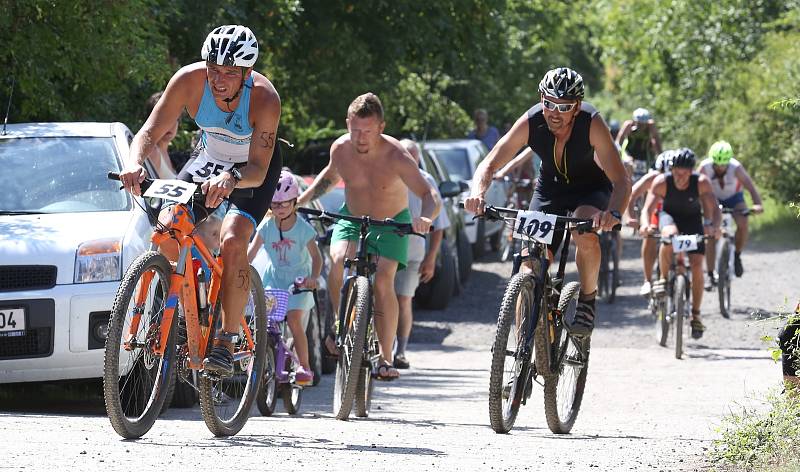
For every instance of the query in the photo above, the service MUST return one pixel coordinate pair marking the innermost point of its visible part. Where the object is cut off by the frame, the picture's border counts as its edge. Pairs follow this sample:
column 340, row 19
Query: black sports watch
column 615, row 214
column 237, row 176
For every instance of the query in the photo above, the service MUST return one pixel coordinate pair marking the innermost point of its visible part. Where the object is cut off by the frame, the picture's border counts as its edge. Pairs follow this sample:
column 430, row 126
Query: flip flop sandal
column 330, row 353
column 384, row 371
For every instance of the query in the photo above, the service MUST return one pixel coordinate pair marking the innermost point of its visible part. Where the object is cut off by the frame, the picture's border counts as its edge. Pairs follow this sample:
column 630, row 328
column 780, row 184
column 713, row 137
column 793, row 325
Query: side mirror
column 449, row 189
column 463, row 185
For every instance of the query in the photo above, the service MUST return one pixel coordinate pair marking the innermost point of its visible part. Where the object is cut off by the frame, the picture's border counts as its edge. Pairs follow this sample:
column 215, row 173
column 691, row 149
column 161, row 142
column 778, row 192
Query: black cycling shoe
column 219, row 362
column 737, row 264
column 400, row 362
column 583, row 324
column 697, row 328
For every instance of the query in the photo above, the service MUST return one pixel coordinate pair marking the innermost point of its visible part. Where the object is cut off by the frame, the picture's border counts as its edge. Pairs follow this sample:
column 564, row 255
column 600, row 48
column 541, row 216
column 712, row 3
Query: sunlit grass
column 778, row 225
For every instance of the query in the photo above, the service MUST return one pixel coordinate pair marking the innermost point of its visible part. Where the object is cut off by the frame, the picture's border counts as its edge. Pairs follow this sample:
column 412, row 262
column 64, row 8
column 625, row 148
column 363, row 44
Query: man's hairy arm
column 608, row 155
column 164, row 115
column 264, row 140
column 499, row 156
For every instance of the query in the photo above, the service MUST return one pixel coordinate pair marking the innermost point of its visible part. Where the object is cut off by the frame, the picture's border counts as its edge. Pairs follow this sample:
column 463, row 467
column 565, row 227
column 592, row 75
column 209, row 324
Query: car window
column 430, row 167
column 59, row 175
column 456, row 161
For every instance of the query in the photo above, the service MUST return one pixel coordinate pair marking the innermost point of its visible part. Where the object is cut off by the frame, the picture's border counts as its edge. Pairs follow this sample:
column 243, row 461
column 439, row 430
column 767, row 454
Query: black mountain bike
column 355, row 334
column 532, row 339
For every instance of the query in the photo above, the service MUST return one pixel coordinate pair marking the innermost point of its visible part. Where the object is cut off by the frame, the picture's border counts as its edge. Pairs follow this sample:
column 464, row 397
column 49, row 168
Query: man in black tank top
column 581, row 173
column 687, row 198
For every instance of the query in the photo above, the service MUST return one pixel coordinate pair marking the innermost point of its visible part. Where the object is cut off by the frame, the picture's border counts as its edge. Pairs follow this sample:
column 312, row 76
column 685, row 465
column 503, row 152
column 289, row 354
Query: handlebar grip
column 113, row 176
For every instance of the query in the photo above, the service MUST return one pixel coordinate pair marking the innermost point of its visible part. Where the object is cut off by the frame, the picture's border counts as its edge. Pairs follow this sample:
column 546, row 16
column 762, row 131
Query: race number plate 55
column 12, row 319
column 175, row 190
column 535, row 225
column 684, row 243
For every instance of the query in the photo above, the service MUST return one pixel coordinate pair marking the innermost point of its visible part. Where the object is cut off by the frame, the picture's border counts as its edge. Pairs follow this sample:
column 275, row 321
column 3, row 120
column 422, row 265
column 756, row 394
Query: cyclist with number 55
column 689, row 207
column 567, row 133
column 237, row 110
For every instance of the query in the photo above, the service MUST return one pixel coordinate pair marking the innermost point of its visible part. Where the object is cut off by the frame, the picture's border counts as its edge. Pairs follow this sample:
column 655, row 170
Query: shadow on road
column 84, row 398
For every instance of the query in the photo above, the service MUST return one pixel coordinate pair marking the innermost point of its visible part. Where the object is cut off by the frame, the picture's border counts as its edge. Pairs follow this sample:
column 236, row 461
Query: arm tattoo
column 267, row 140
column 244, row 280
column 322, row 188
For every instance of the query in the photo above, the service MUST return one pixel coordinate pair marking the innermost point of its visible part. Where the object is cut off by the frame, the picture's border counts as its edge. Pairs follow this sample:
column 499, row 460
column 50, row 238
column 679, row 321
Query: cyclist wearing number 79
column 237, row 110
column 689, row 207
column 567, row 133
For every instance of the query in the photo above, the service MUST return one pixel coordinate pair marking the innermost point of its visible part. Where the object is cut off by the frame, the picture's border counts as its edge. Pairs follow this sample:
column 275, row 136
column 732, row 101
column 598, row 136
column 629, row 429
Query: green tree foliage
column 709, row 69
column 80, row 60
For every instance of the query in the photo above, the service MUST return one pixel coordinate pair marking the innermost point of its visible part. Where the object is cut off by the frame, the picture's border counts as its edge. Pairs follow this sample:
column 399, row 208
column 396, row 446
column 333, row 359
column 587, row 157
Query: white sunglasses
column 560, row 107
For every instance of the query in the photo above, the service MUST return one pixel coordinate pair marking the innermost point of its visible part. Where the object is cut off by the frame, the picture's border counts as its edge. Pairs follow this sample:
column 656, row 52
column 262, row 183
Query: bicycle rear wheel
column 351, row 353
column 225, row 402
column 563, row 390
column 366, row 384
column 724, row 281
column 511, row 358
column 136, row 378
column 679, row 292
column 614, row 279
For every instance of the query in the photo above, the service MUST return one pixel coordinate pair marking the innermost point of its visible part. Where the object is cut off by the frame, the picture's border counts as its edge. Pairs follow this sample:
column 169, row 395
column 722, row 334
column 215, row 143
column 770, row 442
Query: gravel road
column 643, row 409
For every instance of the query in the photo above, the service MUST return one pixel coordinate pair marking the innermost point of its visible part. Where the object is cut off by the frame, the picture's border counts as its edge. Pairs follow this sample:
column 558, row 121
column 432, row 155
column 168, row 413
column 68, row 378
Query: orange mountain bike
column 147, row 341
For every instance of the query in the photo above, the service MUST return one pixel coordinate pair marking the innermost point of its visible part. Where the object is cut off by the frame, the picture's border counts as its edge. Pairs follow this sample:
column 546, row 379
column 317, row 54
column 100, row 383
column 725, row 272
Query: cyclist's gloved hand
column 218, row 188
column 131, row 176
column 474, row 204
column 421, row 225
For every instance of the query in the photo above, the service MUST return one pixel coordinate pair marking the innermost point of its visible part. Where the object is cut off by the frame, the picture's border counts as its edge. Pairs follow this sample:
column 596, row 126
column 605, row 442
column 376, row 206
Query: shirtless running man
column 378, row 173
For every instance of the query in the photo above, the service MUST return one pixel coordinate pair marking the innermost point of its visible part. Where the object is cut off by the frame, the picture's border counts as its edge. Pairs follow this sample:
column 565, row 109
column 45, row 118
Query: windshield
column 59, row 175
column 456, row 161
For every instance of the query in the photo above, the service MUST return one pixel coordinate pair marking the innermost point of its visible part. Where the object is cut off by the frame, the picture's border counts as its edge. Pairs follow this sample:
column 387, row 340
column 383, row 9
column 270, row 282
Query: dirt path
column 643, row 409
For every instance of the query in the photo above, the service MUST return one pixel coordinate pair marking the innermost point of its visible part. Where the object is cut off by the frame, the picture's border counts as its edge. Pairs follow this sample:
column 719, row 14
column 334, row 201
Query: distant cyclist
column 640, row 188
column 639, row 138
column 728, row 177
column 689, row 207
column 237, row 110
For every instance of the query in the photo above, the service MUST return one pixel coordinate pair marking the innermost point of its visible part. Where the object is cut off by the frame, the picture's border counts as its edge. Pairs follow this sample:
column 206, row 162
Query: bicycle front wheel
column 366, row 384
column 680, row 312
column 225, row 402
column 511, row 357
column 563, row 391
column 724, row 281
column 135, row 377
column 351, row 353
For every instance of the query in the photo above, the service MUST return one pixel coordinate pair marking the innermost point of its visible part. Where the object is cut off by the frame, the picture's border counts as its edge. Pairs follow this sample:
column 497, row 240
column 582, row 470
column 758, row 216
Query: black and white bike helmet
column 664, row 161
column 562, row 82
column 684, row 158
column 231, row 45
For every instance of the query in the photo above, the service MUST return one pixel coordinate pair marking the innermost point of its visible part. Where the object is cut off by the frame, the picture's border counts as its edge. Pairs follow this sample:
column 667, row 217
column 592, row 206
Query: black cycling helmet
column 562, row 82
column 684, row 158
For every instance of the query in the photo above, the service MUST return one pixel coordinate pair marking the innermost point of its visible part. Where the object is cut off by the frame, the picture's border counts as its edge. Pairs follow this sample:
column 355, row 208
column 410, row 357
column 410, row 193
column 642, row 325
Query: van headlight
column 98, row 261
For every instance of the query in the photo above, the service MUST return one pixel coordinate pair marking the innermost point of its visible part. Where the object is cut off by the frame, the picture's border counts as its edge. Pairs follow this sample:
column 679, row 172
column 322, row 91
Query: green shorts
column 381, row 240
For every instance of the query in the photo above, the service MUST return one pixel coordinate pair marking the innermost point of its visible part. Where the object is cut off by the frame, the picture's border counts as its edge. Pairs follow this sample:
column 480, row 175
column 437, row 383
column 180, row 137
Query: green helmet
column 721, row 153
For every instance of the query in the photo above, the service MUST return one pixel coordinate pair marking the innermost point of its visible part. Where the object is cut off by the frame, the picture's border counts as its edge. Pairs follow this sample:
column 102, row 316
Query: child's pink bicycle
column 281, row 362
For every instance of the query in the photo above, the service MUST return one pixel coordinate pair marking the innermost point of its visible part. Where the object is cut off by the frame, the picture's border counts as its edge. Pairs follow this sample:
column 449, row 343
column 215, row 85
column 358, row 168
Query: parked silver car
column 461, row 158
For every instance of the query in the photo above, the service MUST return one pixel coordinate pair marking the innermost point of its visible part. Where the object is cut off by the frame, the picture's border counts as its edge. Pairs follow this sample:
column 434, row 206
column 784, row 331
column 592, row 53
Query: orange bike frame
column 182, row 288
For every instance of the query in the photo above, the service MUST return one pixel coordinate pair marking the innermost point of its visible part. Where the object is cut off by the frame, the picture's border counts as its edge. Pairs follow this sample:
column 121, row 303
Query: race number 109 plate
column 174, row 190
column 535, row 225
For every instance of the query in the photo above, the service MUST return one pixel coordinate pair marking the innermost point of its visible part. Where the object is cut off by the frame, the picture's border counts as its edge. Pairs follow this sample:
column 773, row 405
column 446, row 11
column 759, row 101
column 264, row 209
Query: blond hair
column 366, row 105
